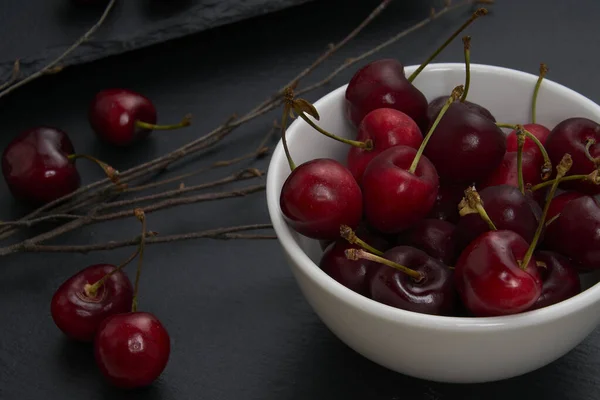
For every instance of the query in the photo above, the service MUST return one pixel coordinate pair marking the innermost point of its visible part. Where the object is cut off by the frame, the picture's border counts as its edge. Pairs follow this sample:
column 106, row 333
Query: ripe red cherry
column 507, row 172
column 537, row 130
column 434, row 237
column 446, row 203
column 433, row 294
column 36, row 166
column 466, row 147
column 560, row 280
column 78, row 312
column 394, row 198
column 132, row 349
column 571, row 136
column 435, row 106
column 489, row 279
column 559, row 202
column 385, row 127
column 318, row 197
column 383, row 84
column 574, row 233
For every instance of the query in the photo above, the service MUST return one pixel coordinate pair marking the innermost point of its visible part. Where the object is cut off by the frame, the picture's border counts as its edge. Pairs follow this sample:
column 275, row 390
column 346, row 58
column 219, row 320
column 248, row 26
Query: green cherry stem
column 472, row 204
column 139, row 214
column 561, row 170
column 286, row 112
column 478, row 13
column 467, row 49
column 543, row 71
column 92, row 290
column 347, row 233
column 456, row 93
column 356, row 254
column 594, row 177
column 367, row 144
column 186, row 121
column 110, row 172
column 520, row 143
column 547, row 167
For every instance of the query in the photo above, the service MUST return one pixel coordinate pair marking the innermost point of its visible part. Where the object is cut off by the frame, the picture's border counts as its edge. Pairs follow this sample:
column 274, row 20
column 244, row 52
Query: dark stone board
column 37, row 31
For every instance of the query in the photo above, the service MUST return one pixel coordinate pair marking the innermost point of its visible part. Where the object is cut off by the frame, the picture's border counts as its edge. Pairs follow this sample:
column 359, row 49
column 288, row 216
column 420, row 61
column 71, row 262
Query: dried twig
column 16, row 72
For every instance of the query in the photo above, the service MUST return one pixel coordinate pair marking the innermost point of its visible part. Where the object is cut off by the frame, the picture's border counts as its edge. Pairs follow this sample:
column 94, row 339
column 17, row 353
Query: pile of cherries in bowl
column 437, row 210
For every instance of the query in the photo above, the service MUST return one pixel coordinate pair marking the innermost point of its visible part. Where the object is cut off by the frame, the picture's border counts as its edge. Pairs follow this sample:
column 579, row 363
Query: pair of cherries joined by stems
column 497, row 247
column 38, row 165
column 100, row 305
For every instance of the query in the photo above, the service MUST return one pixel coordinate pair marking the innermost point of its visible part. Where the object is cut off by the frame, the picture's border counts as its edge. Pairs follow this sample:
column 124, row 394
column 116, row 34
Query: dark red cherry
column 560, row 280
column 537, row 130
column 489, row 278
column 383, row 84
column 571, row 136
column 36, row 166
column 434, row 237
column 78, row 312
column 353, row 274
column 434, row 294
column 132, row 349
column 436, row 105
column 508, row 209
column 466, row 147
column 576, row 233
column 318, row 197
column 385, row 127
column 558, row 203
column 446, row 203
column 507, row 172
column 394, row 198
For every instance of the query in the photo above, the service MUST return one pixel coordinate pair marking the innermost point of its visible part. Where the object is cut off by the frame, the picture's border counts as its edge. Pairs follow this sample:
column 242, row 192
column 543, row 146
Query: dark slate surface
column 240, row 328
column 38, row 31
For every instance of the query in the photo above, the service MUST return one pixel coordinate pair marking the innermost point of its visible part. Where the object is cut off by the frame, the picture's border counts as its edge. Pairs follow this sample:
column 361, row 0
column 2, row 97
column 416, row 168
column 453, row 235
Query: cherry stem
column 561, row 170
column 367, row 145
column 589, row 143
column 456, row 93
column 547, row 166
column 356, row 254
column 478, row 13
column 92, row 290
column 139, row 214
column 472, row 204
column 520, row 143
column 467, row 49
column 347, row 233
column 110, row 172
column 186, row 121
column 543, row 71
column 284, row 118
column 594, row 177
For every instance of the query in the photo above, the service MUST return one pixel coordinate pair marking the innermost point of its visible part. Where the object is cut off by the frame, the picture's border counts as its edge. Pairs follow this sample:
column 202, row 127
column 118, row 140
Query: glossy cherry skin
column 508, row 209
column 537, row 130
column 132, row 349
column 350, row 273
column 383, row 84
column 434, row 237
column 436, row 105
column 489, row 279
column 435, row 294
column 560, row 280
column 385, row 127
column 77, row 314
column 576, row 233
column 36, row 168
column 465, row 146
column 318, row 197
column 507, row 172
column 395, row 199
column 559, row 202
column 446, row 203
column 113, row 113
column 570, row 136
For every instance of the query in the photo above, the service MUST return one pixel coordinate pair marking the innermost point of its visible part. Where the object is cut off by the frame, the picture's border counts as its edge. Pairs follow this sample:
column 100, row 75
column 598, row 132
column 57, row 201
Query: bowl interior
column 506, row 93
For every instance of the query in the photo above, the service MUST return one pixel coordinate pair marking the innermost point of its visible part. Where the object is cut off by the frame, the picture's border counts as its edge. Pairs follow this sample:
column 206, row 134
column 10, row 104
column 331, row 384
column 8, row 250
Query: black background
column 239, row 326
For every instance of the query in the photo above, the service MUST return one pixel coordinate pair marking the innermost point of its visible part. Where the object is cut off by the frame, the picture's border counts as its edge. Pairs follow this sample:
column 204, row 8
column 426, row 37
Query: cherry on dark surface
column 319, row 196
column 446, row 203
column 385, row 127
column 122, row 117
column 37, row 168
column 78, row 311
column 560, row 280
column 413, row 281
column 434, row 237
column 574, row 233
column 132, row 349
column 506, row 207
column 578, row 137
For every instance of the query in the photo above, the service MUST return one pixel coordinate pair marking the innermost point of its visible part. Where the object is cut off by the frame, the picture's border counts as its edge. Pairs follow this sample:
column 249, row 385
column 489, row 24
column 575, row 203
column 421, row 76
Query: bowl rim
column 460, row 324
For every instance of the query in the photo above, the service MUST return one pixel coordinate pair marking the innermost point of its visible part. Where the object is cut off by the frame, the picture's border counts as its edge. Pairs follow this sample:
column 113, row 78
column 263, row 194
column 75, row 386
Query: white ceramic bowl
column 446, row 349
